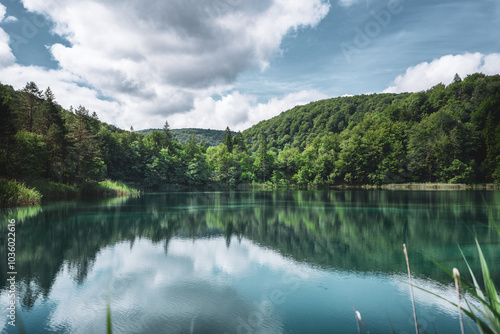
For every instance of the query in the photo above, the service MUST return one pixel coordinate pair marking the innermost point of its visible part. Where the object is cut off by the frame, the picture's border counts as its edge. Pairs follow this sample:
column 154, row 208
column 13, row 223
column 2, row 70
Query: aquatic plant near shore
column 486, row 318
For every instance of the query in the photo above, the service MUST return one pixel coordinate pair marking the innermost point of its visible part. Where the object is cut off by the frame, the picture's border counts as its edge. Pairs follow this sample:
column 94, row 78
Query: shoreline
column 14, row 193
column 32, row 195
column 423, row 186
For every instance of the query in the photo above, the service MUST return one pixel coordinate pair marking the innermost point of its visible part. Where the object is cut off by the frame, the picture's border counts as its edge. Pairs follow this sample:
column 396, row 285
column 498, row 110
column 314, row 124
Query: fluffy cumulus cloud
column 240, row 111
column 3, row 12
column 425, row 75
column 160, row 59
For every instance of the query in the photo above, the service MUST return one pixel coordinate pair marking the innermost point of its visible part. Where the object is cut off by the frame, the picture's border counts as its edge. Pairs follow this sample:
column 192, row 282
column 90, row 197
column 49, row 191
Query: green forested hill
column 209, row 137
column 447, row 134
column 302, row 124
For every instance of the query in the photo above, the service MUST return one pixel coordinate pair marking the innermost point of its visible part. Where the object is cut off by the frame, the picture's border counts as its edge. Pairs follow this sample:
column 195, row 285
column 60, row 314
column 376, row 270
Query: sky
column 217, row 63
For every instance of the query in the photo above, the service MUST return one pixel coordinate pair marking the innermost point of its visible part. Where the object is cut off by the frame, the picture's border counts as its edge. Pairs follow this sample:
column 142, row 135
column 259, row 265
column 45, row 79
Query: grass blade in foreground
column 411, row 289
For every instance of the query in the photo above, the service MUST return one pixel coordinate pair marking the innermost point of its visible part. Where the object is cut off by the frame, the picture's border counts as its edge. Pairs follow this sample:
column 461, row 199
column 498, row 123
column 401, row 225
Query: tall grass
column 107, row 188
column 54, row 190
column 487, row 315
column 109, row 326
column 13, row 193
column 119, row 188
column 411, row 289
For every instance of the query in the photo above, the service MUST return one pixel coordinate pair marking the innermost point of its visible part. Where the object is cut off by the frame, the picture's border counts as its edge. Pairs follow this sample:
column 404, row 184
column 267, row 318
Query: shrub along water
column 13, row 194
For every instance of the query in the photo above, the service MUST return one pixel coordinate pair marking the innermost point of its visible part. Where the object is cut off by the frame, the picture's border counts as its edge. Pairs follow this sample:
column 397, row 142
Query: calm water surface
column 245, row 262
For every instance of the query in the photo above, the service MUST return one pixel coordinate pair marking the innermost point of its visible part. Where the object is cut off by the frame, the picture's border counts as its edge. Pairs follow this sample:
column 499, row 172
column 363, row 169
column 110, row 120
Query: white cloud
column 10, row 19
column 425, row 75
column 3, row 11
column 240, row 111
column 160, row 59
column 6, row 56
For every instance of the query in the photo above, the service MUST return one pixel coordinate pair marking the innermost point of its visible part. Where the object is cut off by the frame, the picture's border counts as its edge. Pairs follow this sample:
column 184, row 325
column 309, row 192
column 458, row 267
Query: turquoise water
column 246, row 262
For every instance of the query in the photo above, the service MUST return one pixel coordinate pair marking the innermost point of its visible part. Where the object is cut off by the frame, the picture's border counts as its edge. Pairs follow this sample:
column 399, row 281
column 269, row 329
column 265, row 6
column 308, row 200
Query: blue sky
column 218, row 63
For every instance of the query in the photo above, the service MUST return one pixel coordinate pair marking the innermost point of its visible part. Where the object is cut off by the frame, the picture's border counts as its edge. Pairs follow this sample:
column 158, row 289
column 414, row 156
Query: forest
column 207, row 137
column 447, row 134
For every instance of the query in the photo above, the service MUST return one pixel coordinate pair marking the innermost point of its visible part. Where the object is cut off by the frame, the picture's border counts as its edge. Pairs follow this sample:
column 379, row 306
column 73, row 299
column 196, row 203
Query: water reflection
column 207, row 261
column 198, row 285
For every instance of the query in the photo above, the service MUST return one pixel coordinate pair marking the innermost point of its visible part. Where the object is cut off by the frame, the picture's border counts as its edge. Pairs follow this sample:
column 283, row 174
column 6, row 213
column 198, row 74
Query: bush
column 16, row 194
column 54, row 190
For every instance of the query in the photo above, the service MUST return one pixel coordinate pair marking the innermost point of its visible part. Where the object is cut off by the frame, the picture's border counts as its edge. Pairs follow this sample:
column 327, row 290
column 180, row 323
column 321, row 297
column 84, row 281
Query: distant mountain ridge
column 211, row 137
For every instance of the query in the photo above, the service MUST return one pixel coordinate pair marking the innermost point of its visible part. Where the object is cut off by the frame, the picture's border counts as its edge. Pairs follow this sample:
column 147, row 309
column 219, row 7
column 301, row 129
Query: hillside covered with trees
column 446, row 134
column 206, row 137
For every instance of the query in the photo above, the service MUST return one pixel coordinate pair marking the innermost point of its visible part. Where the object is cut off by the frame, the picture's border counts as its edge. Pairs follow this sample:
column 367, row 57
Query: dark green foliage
column 7, row 127
column 228, row 140
column 239, row 143
column 29, row 156
column 210, row 137
column 168, row 135
column 86, row 155
column 30, row 99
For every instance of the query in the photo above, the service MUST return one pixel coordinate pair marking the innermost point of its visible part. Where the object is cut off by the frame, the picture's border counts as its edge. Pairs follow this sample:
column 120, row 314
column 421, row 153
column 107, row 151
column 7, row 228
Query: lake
column 246, row 261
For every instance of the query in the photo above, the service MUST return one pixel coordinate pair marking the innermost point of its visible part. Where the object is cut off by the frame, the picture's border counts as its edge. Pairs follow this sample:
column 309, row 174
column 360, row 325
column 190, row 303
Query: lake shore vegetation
column 445, row 135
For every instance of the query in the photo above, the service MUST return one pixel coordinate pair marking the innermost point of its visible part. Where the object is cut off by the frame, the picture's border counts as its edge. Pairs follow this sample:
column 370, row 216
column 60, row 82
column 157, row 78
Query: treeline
column 207, row 137
column 446, row 134
column 42, row 141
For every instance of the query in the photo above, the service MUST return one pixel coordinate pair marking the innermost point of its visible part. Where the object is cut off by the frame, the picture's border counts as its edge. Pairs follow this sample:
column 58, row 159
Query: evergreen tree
column 30, row 100
column 239, row 143
column 191, row 148
column 54, row 129
column 203, row 146
column 85, row 151
column 168, row 135
column 228, row 140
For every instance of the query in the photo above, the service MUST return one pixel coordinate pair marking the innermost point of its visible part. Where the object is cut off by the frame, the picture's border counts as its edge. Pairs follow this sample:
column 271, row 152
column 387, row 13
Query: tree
column 457, row 78
column 164, row 169
column 220, row 162
column 168, row 135
column 85, row 150
column 239, row 143
column 154, row 142
column 7, row 128
column 29, row 104
column 203, row 146
column 191, row 148
column 228, row 141
column 53, row 127
column 30, row 155
column 264, row 159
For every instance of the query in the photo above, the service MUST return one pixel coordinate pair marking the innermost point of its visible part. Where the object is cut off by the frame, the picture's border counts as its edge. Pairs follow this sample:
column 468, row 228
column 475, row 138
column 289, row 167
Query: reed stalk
column 411, row 289
column 456, row 275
